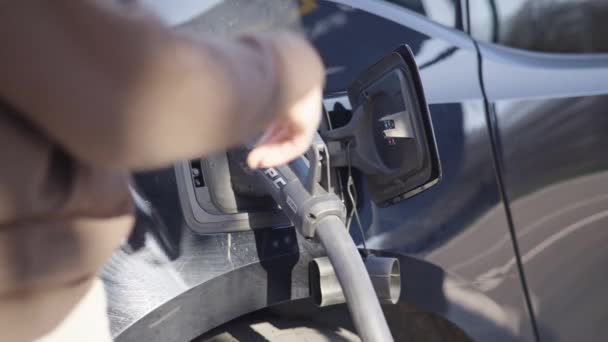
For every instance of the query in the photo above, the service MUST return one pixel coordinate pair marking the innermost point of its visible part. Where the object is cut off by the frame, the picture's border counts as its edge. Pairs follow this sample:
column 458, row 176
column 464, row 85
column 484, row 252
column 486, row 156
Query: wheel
column 302, row 322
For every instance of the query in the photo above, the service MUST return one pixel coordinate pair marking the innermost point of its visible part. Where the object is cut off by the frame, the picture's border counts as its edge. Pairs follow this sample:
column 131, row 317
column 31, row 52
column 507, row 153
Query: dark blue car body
column 510, row 245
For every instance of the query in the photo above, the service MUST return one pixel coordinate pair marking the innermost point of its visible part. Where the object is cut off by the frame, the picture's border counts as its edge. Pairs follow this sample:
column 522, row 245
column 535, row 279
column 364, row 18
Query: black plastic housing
column 410, row 165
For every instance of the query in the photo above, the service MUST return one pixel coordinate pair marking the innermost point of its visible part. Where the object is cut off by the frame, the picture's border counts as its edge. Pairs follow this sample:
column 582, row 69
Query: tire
column 302, row 322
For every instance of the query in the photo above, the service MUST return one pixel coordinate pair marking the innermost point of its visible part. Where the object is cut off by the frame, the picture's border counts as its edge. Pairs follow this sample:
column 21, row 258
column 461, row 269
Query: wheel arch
column 252, row 287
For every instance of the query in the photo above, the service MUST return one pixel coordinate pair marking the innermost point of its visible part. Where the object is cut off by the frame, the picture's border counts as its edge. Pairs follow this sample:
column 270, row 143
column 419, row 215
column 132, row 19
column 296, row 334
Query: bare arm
column 115, row 87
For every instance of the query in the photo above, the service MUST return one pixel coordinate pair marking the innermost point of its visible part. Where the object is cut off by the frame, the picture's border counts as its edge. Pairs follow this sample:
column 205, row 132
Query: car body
column 508, row 246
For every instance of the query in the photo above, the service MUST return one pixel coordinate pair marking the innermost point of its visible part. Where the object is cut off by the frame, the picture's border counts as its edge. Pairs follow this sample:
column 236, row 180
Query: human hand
column 290, row 135
column 301, row 80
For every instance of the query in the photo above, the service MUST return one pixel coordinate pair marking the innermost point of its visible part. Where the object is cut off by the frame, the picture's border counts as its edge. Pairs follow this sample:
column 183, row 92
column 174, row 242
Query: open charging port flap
column 389, row 137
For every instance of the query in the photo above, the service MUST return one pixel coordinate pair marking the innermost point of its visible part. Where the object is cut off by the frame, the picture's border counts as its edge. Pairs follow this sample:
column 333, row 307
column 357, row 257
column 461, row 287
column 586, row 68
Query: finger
column 269, row 134
column 257, row 154
column 280, row 134
column 281, row 152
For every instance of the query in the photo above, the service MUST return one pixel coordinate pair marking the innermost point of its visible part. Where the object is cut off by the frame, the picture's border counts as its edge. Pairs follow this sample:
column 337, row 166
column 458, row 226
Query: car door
column 545, row 74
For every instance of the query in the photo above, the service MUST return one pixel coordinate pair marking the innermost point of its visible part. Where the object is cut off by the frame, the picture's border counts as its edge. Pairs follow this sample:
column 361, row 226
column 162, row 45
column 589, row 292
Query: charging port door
column 389, row 138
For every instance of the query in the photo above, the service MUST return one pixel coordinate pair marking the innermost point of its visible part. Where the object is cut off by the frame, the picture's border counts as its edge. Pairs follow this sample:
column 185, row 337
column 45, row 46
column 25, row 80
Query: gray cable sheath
column 360, row 295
